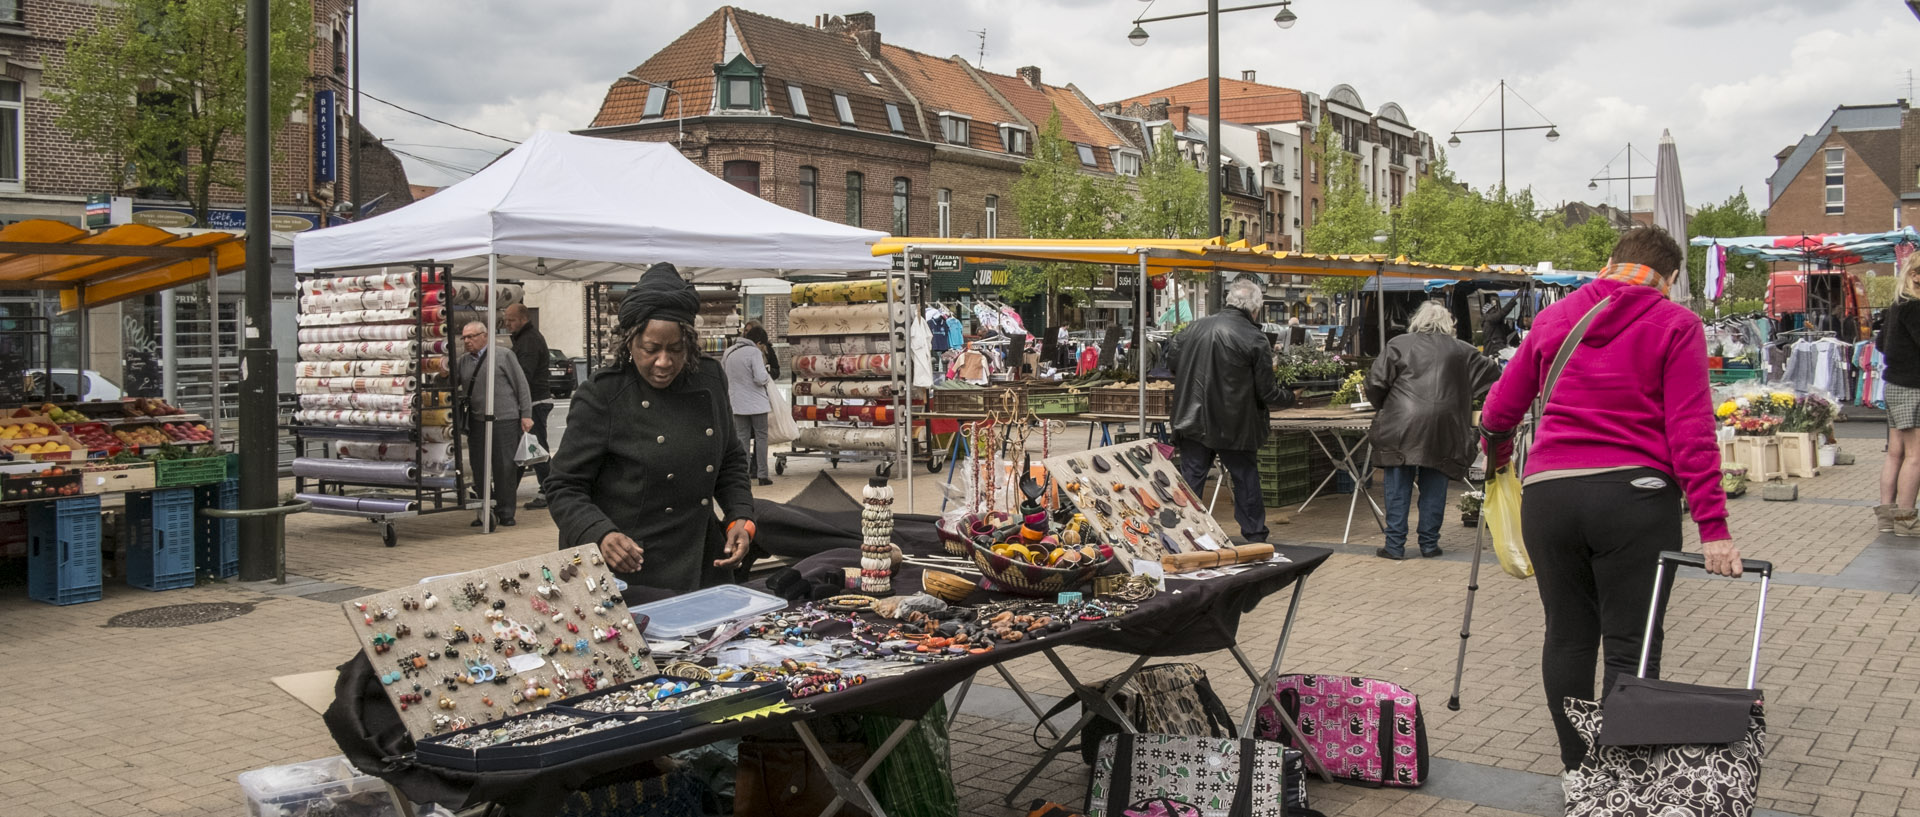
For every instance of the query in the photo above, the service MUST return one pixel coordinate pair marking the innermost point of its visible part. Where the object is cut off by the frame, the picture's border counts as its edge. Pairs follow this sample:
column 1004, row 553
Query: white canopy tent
column 584, row 208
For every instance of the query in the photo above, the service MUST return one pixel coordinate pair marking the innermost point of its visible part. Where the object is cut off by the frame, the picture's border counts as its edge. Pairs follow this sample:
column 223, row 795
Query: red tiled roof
column 686, row 64
column 1078, row 122
column 946, row 85
column 1246, row 103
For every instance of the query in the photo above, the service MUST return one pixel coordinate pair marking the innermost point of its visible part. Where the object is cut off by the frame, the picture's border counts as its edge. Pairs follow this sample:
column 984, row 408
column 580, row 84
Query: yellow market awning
column 1193, row 255
column 112, row 265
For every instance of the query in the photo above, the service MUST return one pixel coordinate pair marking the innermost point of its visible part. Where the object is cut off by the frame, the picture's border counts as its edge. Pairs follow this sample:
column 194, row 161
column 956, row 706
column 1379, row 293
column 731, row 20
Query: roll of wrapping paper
column 391, row 452
column 358, row 301
column 848, row 439
column 383, row 473
column 360, row 504
column 841, row 345
column 341, row 334
column 432, row 314
column 436, row 434
column 864, row 389
column 436, row 417
column 356, row 417
column 470, row 293
column 845, row 319
column 846, row 292
column 361, row 368
column 361, row 350
column 346, row 385
column 351, row 400
column 1224, row 557
column 869, row 415
column 848, row 365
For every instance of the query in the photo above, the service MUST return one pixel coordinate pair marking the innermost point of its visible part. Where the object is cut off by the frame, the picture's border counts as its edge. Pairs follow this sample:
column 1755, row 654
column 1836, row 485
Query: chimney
column 861, row 25
column 1030, row 73
column 1157, row 107
column 1247, row 75
column 1177, row 114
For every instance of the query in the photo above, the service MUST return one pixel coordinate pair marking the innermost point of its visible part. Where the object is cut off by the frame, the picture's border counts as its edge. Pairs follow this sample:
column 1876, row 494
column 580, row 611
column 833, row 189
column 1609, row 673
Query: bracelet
column 751, row 530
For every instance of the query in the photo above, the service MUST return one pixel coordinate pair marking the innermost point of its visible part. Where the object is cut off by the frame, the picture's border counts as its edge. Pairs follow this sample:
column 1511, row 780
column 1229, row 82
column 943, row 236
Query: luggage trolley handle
column 1680, row 559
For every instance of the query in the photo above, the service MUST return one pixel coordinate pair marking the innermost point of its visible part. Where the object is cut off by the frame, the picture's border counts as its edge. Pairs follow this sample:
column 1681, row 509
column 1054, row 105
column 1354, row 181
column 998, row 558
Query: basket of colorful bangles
column 1042, row 567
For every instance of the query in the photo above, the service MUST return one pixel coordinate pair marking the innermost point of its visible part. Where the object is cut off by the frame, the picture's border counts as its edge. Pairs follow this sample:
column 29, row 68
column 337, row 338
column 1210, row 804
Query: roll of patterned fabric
column 866, row 415
column 436, row 434
column 360, row 350
column 845, row 319
column 429, row 315
column 436, row 417
column 349, row 400
column 846, row 292
column 848, row 365
column 383, row 473
column 865, row 389
column 361, row 368
column 357, row 417
column 341, row 334
column 357, row 301
column 341, row 385
column 358, row 283
column 391, row 452
column 841, row 345
column 848, row 439
column 471, row 293
column 362, row 504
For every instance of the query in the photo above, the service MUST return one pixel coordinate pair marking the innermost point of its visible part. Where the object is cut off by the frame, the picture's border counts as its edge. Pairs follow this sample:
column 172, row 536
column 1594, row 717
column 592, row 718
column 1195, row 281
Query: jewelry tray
column 637, row 728
column 746, row 696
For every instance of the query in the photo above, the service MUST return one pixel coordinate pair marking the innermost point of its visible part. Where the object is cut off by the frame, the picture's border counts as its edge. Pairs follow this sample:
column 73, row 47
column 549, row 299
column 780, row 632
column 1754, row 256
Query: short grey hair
column 1432, row 316
column 1244, row 294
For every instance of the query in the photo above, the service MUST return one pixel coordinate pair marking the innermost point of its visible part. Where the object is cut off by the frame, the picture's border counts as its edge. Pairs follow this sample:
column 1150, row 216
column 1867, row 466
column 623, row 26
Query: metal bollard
column 277, row 525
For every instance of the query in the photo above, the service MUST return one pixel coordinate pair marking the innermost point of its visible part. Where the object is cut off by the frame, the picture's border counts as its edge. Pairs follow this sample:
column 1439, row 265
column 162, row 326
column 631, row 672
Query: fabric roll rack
column 850, row 367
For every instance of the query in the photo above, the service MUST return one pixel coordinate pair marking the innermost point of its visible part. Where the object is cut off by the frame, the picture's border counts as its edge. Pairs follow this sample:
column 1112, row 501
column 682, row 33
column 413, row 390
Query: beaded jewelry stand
column 876, row 543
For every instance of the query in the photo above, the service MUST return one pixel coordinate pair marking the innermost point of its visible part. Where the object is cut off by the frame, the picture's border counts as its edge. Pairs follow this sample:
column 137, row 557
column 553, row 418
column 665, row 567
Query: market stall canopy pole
column 619, row 206
column 1670, row 207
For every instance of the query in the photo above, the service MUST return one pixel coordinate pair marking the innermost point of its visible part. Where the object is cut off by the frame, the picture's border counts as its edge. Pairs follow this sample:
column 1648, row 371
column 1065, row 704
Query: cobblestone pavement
column 164, row 719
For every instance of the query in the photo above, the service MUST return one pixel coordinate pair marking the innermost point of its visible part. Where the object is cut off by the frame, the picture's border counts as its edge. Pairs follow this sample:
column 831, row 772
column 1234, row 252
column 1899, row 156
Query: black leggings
column 1595, row 542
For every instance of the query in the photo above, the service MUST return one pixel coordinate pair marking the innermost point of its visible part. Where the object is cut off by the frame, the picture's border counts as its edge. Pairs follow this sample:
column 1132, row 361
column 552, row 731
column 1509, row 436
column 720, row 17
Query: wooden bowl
column 946, row 586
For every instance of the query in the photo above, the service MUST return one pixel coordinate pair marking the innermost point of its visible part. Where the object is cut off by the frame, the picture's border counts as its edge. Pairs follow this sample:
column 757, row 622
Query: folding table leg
column 1092, row 701
column 1025, row 698
column 852, row 789
column 1263, row 691
column 954, row 711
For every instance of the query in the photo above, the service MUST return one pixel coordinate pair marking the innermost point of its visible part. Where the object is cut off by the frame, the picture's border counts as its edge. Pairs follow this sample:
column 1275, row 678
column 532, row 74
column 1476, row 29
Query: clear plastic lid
column 702, row 610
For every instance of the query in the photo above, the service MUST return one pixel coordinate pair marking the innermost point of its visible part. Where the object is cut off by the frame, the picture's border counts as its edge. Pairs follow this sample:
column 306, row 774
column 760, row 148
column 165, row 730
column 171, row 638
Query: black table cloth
column 1203, row 617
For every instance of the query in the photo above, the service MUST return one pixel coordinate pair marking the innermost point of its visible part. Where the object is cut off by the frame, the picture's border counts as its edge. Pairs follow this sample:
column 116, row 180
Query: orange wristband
column 751, row 530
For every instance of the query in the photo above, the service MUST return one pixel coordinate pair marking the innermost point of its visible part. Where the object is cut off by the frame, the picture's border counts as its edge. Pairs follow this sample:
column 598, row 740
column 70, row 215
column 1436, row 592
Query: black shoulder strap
column 1243, row 788
column 1120, row 777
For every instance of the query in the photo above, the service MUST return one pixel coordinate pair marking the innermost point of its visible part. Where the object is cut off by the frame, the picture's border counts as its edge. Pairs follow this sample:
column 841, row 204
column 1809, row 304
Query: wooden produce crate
column 110, row 479
column 1007, row 400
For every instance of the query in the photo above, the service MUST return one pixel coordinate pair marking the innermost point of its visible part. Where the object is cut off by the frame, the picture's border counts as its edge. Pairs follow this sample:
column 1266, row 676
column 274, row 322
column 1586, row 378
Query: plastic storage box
column 160, row 552
column 703, row 610
column 315, row 788
column 63, row 550
column 216, row 542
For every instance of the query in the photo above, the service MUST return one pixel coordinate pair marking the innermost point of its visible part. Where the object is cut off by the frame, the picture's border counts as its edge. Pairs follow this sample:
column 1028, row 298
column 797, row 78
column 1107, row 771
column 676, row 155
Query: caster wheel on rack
column 934, row 464
column 389, row 536
column 835, row 462
column 780, row 466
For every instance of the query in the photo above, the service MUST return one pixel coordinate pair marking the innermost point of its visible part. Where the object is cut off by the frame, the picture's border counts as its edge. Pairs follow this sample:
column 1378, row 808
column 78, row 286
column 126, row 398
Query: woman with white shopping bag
column 1626, row 432
column 745, row 363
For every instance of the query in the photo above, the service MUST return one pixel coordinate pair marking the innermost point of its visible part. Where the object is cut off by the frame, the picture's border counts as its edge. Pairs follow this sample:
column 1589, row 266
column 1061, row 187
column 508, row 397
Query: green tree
column 1173, row 195
column 1729, row 219
column 1055, row 199
column 1348, row 219
column 161, row 85
column 1585, row 246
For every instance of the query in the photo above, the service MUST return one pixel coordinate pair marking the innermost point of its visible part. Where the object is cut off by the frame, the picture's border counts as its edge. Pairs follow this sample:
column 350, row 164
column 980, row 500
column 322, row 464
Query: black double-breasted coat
column 653, row 464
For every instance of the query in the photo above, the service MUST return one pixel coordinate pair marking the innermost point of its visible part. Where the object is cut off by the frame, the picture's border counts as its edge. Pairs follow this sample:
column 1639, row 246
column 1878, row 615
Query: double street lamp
column 1553, row 133
column 1285, row 20
column 1594, row 182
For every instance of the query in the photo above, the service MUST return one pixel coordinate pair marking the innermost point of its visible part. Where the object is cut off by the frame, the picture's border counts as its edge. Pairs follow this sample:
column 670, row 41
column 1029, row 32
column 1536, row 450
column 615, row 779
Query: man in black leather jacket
column 1223, row 388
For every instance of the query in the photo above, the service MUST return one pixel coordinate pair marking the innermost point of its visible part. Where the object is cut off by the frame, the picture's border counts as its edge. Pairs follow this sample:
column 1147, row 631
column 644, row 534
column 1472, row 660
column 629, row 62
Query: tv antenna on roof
column 982, row 34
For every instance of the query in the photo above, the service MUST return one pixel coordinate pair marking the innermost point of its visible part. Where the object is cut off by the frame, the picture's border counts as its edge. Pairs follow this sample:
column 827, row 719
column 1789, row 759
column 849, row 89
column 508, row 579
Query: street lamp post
column 1285, row 20
column 1594, row 183
column 1553, row 133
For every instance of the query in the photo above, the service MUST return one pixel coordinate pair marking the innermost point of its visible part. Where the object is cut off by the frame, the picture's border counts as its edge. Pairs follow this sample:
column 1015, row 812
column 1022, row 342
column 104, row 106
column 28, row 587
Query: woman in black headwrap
column 649, row 452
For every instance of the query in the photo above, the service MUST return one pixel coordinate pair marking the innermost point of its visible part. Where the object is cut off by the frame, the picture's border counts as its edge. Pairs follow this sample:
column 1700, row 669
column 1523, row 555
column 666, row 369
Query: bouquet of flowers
column 1755, row 415
column 1350, row 389
column 1300, row 364
column 1811, row 413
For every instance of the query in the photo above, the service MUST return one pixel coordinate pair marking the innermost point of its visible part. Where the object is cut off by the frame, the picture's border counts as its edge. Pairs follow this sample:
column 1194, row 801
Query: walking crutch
column 1473, row 586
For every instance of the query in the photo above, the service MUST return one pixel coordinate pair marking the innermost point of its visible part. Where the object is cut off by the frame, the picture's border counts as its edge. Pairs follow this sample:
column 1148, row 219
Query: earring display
column 487, row 645
column 1134, row 499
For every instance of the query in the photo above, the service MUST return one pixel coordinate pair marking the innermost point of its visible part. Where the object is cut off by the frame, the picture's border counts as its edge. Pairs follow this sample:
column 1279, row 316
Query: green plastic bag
column 1502, row 513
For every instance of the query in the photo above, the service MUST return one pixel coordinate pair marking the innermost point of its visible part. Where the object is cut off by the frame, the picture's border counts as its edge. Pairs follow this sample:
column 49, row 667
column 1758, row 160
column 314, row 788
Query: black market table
column 1324, row 424
column 1204, row 617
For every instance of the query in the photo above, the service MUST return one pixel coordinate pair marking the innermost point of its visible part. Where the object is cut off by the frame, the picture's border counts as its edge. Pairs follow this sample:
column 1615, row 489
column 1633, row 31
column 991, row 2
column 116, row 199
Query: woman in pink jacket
column 1627, row 431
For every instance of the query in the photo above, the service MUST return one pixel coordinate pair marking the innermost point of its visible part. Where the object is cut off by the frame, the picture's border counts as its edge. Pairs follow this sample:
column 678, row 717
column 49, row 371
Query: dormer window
column 871, row 79
column 740, row 85
column 955, row 127
column 1125, row 162
column 843, row 108
column 1086, row 155
column 1014, row 139
column 656, row 102
column 893, row 119
column 798, row 100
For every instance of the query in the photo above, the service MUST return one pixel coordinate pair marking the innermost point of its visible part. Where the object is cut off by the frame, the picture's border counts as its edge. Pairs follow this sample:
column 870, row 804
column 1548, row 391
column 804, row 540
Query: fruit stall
column 106, row 492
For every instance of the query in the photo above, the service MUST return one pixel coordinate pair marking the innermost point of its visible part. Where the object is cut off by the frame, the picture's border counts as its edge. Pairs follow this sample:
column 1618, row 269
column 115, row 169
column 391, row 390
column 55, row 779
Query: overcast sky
column 1735, row 80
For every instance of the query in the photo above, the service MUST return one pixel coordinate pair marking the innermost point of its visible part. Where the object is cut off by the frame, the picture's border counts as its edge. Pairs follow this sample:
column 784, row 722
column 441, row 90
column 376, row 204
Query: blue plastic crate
column 63, row 550
column 160, row 553
column 216, row 542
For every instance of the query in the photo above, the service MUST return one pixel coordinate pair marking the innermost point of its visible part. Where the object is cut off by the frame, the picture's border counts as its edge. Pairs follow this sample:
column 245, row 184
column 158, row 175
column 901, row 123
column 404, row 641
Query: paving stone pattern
column 118, row 721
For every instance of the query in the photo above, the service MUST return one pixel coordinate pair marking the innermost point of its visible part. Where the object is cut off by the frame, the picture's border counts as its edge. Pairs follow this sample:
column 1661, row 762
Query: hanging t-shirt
column 938, row 327
column 956, row 333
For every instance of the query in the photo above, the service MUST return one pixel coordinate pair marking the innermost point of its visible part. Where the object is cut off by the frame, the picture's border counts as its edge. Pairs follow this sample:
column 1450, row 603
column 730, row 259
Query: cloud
column 1735, row 81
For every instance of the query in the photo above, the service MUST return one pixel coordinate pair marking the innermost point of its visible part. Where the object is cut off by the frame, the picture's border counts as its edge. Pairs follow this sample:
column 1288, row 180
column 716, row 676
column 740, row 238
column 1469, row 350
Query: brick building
column 1853, row 175
column 45, row 172
column 833, row 121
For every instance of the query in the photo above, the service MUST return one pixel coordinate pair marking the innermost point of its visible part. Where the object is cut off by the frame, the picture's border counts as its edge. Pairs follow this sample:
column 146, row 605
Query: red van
column 1835, row 301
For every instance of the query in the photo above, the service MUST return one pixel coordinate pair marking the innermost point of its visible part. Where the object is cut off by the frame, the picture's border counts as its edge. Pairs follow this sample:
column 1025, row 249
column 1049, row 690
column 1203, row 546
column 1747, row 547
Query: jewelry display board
column 471, row 648
column 1134, row 497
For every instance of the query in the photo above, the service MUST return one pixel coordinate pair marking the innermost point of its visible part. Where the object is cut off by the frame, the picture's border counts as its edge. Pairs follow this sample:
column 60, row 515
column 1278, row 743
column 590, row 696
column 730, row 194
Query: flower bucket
column 1828, row 454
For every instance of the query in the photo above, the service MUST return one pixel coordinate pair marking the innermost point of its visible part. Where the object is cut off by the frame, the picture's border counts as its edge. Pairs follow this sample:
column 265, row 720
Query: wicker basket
column 1022, row 579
